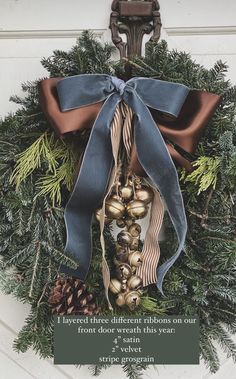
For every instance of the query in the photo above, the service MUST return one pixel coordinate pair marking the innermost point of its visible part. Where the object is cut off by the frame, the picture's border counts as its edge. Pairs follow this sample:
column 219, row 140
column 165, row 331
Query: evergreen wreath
column 36, row 175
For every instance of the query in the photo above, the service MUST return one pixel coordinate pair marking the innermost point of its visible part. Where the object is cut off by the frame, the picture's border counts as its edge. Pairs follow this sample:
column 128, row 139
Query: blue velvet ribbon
column 90, row 187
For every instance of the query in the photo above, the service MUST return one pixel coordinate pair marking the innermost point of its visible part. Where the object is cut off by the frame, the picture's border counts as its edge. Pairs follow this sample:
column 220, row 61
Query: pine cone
column 70, row 296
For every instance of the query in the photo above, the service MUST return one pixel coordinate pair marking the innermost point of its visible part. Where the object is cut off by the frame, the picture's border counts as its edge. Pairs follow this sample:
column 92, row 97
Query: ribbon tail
column 151, row 249
column 156, row 161
column 115, row 142
column 89, row 190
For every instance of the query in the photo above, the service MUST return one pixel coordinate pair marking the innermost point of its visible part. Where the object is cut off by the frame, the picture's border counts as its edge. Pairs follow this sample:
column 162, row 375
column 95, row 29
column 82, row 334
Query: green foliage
column 37, row 332
column 228, row 158
column 31, row 159
column 66, row 158
column 32, row 232
column 57, row 160
column 134, row 371
column 89, row 56
column 149, row 305
column 96, row 370
column 204, row 175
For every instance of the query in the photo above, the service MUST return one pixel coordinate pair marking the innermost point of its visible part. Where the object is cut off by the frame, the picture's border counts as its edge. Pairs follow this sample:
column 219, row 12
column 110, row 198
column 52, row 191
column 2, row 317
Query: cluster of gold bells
column 126, row 204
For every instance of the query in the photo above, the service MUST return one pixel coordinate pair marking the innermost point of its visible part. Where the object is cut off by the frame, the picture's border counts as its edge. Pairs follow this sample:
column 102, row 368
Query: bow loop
column 82, row 90
column 163, row 96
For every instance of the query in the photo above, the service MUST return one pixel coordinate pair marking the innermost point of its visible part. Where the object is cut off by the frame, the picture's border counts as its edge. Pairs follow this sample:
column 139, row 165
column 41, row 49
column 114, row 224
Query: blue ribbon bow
column 90, row 188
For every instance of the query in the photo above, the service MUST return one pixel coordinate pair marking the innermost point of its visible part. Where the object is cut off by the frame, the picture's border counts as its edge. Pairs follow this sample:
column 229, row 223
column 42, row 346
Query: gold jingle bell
column 120, row 223
column 136, row 209
column 114, row 208
column 124, row 271
column 121, row 253
column 129, row 222
column 115, row 286
column 135, row 230
column 98, row 215
column 135, row 259
column 132, row 299
column 120, row 300
column 135, row 282
column 126, row 192
column 124, row 238
column 134, row 244
column 145, row 194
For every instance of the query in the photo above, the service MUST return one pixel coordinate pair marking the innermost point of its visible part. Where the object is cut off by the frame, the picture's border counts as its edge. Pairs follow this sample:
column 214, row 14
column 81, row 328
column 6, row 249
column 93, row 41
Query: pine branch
column 96, row 370
column 37, row 332
column 35, row 267
column 18, row 258
column 225, row 341
column 209, row 354
column 59, row 256
column 134, row 371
